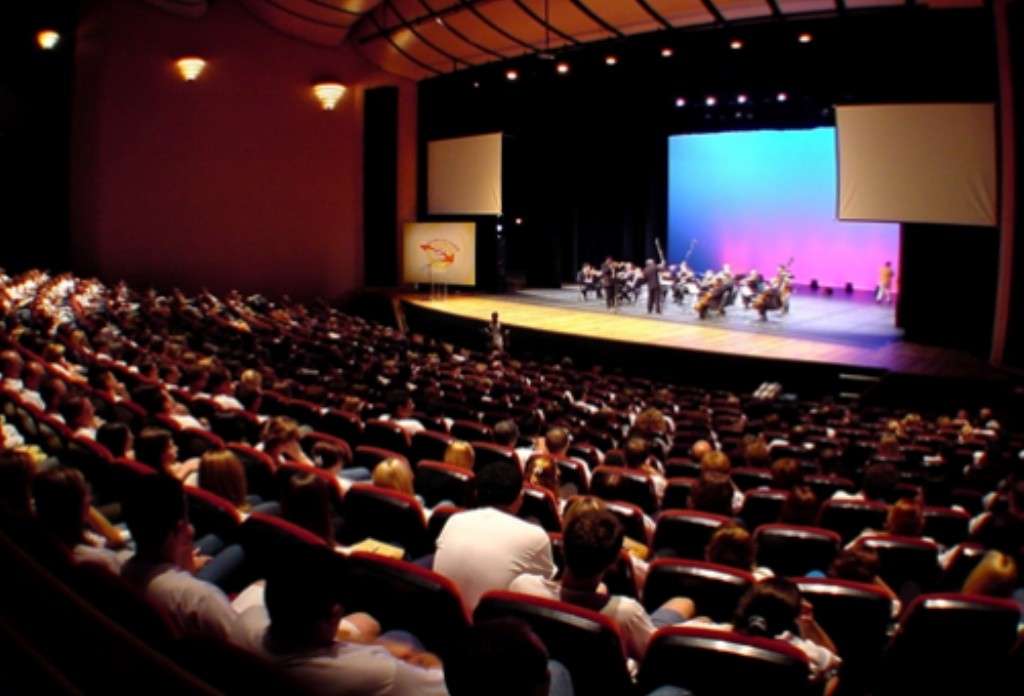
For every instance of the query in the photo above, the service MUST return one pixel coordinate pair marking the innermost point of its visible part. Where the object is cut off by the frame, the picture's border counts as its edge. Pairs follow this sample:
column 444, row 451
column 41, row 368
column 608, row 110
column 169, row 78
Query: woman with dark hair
column 773, row 608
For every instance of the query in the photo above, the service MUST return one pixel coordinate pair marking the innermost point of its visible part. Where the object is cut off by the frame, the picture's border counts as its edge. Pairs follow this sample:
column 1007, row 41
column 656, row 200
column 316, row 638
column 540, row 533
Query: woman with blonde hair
column 393, row 474
column 460, row 453
column 542, row 471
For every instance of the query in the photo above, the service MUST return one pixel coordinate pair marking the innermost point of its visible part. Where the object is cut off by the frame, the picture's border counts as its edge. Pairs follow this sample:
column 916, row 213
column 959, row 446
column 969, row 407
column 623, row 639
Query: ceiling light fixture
column 47, row 39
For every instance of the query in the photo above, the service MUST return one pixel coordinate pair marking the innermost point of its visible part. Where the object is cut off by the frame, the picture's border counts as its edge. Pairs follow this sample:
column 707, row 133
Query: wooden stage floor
column 839, row 330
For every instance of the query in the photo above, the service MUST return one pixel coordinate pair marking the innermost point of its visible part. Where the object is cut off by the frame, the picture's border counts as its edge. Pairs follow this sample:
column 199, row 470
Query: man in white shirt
column 486, row 548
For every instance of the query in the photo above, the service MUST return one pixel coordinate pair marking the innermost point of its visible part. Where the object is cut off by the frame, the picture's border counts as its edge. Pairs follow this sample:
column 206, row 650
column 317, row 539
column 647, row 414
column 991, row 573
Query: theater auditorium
column 511, row 346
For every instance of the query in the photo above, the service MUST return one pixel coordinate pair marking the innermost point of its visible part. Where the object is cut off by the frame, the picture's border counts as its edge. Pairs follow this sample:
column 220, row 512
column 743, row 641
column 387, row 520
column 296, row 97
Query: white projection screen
column 464, row 175
column 930, row 163
column 439, row 252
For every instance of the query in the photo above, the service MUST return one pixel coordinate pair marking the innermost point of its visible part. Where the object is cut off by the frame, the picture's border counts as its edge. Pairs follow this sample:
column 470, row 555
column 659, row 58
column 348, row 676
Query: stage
column 827, row 342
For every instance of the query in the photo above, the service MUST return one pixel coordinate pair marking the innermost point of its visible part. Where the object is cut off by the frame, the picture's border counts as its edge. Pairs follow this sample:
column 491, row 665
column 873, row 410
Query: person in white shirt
column 487, row 548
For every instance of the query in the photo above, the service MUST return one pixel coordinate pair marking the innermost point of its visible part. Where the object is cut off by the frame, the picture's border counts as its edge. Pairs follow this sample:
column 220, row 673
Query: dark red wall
column 238, row 180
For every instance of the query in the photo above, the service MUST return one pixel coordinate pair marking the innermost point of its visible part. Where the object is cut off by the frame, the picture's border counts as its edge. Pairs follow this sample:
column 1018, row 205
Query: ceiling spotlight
column 781, row 97
column 805, row 37
column 666, row 52
column 680, row 102
column 512, row 75
column 735, row 44
column 562, row 68
column 611, row 60
column 710, row 101
column 741, row 99
column 328, row 94
column 476, row 84
column 47, row 39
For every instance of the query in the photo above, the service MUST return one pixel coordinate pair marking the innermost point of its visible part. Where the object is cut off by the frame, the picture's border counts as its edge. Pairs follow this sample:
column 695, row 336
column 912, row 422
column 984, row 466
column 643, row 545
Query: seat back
column 947, row 526
column 270, row 542
column 471, row 430
column 722, row 663
column 369, row 456
column 794, row 550
column 856, row 616
column 436, row 482
column 715, row 589
column 627, row 485
column 589, row 644
column 749, row 478
column 348, row 426
column 540, row 506
column 677, row 493
column 909, row 566
column 964, row 559
column 402, row 595
column 386, row 434
column 194, row 442
column 488, row 452
column 849, row 518
column 385, row 515
column 951, row 643
column 762, row 506
column 685, row 533
column 429, row 445
column 259, row 470
column 211, row 514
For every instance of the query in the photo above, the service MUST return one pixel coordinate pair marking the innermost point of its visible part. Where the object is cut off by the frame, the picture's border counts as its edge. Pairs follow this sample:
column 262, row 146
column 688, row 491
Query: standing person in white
column 486, row 548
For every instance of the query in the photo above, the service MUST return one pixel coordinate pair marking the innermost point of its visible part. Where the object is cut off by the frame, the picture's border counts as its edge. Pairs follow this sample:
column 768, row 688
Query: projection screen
column 931, row 163
column 464, row 175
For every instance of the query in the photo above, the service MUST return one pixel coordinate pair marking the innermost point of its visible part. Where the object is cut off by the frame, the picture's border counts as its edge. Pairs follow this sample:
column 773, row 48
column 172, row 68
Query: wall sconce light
column 329, row 93
column 47, row 39
column 190, row 67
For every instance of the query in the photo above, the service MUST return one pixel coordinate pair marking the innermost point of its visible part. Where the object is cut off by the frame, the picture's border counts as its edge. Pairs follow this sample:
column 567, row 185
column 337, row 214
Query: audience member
column 488, row 547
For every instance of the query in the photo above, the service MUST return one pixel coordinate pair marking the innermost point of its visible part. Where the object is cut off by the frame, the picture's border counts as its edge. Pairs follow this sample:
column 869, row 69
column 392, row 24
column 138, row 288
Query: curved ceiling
column 419, row 39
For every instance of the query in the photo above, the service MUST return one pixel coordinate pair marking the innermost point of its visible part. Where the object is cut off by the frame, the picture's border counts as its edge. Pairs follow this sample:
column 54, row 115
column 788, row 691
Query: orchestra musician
column 751, row 286
column 776, row 295
column 589, row 280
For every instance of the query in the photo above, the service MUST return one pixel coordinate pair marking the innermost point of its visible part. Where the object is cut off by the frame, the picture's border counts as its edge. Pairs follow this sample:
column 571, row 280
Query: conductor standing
column 652, row 277
column 608, row 271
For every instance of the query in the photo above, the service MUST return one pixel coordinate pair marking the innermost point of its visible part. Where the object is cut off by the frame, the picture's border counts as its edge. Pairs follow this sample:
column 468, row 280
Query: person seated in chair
column 593, row 540
column 589, row 281
column 304, row 599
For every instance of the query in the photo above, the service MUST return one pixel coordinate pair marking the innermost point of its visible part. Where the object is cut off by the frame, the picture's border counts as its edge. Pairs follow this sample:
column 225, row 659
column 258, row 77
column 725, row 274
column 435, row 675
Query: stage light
column 805, row 37
column 848, row 288
column 562, row 68
column 828, row 292
column 735, row 44
column 512, row 75
column 710, row 101
column 741, row 99
column 814, row 284
column 611, row 60
column 666, row 52
column 680, row 102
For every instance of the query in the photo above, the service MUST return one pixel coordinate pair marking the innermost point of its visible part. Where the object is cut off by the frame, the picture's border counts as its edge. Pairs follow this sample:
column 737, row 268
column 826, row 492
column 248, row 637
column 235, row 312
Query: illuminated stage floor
column 839, row 330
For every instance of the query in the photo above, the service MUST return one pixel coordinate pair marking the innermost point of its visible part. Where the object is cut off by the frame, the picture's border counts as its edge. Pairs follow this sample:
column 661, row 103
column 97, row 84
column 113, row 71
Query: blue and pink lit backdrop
column 756, row 199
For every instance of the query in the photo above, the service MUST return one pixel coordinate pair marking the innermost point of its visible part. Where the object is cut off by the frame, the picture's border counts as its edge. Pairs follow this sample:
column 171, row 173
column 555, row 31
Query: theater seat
column 715, row 589
column 626, row 485
column 402, row 595
column 794, row 550
column 856, row 616
column 849, row 518
column 589, row 644
column 685, row 533
column 385, row 515
column 949, row 644
column 722, row 663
